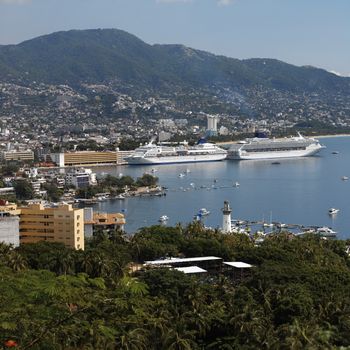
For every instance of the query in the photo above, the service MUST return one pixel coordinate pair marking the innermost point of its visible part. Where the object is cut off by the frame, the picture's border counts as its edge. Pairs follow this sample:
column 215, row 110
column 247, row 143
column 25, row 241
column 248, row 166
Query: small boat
column 333, row 211
column 325, row 231
column 270, row 224
column 236, row 184
column 153, row 170
column 188, row 171
column 335, row 152
column 163, row 218
column 345, row 178
column 181, row 175
column 204, row 212
column 119, row 196
column 275, row 163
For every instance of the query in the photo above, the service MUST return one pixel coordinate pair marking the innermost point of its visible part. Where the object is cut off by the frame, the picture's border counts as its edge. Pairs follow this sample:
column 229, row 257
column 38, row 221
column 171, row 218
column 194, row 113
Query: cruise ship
column 158, row 154
column 265, row 148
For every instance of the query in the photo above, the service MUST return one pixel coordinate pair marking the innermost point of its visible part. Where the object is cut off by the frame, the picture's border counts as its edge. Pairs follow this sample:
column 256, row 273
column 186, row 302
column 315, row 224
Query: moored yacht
column 333, row 211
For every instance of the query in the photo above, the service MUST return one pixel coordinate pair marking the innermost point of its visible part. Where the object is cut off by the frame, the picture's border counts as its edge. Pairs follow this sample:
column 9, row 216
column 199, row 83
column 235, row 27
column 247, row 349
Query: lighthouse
column 226, row 223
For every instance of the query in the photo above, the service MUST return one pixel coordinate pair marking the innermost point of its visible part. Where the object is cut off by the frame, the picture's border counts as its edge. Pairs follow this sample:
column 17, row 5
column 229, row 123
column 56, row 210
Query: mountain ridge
column 100, row 55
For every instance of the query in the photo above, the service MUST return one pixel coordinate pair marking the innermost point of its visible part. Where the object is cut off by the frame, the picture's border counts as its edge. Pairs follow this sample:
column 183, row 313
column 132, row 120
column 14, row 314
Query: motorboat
column 333, row 211
column 325, row 231
column 163, row 218
column 119, row 196
column 236, row 184
column 204, row 212
column 335, row 152
column 345, row 178
column 181, row 175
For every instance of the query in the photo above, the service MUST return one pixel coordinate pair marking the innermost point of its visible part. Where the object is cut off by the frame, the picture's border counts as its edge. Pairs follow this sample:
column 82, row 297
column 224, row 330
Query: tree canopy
column 297, row 297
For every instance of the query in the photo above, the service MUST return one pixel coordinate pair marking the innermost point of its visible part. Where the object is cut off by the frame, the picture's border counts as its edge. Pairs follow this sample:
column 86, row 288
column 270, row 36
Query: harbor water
column 293, row 191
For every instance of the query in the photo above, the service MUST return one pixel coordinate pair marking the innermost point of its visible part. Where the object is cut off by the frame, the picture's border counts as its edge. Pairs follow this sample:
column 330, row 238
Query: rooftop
column 181, row 260
column 190, row 269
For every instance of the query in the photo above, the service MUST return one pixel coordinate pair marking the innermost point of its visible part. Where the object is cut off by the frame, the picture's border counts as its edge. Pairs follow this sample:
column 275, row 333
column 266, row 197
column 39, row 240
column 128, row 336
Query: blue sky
column 302, row 32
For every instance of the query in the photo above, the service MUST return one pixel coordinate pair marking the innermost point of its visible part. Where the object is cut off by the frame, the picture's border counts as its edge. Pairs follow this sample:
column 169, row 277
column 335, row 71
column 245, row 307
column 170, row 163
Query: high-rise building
column 63, row 224
column 212, row 126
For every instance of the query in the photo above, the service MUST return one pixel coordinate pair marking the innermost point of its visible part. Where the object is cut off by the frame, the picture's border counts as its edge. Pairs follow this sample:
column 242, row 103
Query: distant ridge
column 102, row 55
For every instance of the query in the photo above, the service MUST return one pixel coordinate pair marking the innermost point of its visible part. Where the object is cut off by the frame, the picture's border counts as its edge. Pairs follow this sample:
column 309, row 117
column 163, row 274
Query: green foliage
column 101, row 55
column 297, row 297
column 53, row 192
column 9, row 169
column 23, row 189
column 147, row 180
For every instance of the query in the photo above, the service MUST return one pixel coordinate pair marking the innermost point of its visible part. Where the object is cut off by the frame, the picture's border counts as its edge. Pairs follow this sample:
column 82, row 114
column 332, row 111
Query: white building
column 223, row 130
column 9, row 229
column 212, row 126
column 80, row 177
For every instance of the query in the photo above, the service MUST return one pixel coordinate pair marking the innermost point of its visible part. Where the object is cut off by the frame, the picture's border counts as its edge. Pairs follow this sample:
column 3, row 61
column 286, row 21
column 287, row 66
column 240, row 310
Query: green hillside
column 102, row 55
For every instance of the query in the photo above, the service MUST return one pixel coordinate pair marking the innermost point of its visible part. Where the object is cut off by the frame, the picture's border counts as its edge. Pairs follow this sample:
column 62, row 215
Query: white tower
column 226, row 223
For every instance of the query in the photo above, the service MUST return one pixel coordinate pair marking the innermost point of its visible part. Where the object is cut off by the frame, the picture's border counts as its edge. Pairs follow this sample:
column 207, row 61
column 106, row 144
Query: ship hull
column 242, row 155
column 175, row 159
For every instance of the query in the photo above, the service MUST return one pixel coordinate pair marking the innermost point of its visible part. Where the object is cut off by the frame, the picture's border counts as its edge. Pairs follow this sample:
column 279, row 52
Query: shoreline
column 328, row 136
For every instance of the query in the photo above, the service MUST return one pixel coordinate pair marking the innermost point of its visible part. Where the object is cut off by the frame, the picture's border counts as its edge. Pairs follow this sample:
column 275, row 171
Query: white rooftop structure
column 181, row 260
column 190, row 269
column 238, row 264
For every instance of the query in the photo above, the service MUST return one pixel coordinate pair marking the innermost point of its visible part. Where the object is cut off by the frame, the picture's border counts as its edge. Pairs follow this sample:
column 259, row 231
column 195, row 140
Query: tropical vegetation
column 297, row 297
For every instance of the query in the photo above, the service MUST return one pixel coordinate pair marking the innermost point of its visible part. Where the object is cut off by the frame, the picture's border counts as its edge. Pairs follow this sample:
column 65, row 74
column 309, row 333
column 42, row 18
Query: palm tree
column 62, row 262
column 173, row 340
column 133, row 286
column 15, row 261
column 135, row 339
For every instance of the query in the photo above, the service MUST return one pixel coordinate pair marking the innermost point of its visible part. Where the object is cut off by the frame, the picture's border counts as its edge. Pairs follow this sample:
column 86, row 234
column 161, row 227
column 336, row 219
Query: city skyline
column 314, row 33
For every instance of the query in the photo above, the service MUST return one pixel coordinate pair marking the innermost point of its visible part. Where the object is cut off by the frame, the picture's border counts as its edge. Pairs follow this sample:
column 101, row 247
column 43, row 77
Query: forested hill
column 102, row 55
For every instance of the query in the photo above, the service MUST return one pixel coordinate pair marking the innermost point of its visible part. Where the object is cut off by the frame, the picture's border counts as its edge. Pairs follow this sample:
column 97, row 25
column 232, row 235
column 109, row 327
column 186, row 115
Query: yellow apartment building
column 10, row 208
column 63, row 224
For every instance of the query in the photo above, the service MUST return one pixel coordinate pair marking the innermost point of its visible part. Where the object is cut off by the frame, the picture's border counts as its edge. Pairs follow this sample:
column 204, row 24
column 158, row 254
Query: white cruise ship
column 264, row 148
column 157, row 154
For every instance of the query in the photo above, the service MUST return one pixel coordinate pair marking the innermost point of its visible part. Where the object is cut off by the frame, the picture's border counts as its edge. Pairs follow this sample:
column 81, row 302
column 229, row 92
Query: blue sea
column 296, row 191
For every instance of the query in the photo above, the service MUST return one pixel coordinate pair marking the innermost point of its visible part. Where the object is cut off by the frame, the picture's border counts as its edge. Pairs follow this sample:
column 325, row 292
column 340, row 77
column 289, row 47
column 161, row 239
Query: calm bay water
column 296, row 191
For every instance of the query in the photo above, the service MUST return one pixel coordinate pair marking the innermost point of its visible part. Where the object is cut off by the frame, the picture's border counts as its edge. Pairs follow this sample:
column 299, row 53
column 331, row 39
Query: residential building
column 81, row 178
column 63, row 224
column 102, row 220
column 109, row 220
column 212, row 127
column 17, row 155
column 10, row 208
column 9, row 229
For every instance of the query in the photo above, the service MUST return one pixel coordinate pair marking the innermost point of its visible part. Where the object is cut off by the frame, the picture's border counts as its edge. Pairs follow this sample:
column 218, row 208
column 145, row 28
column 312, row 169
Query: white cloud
column 14, row 1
